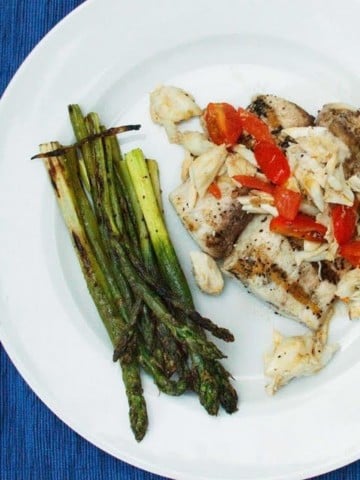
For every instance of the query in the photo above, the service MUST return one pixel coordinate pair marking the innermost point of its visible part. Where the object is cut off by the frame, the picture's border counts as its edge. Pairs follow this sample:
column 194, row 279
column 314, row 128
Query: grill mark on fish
column 295, row 289
column 249, row 267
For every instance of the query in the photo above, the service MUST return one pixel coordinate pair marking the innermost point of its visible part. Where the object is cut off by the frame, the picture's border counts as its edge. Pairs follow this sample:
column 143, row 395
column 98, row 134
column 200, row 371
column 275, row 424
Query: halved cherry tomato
column 351, row 252
column 287, row 202
column 302, row 226
column 222, row 123
column 344, row 222
column 272, row 162
column 254, row 182
column 254, row 126
column 214, row 190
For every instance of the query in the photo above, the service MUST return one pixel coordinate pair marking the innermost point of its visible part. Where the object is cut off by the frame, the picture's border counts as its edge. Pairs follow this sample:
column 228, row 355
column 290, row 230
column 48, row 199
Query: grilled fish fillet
column 265, row 263
column 215, row 224
column 279, row 113
column 343, row 121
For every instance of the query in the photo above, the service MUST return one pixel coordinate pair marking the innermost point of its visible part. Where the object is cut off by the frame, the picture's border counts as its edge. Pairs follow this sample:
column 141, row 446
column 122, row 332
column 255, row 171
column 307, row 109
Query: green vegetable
column 105, row 299
column 210, row 380
column 164, row 250
column 112, row 208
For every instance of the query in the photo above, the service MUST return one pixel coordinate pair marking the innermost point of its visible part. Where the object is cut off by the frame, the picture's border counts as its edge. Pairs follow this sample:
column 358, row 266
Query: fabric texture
column 34, row 443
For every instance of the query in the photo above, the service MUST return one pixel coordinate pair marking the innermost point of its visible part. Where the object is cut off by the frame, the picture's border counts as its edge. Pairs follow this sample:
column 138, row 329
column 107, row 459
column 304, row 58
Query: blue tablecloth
column 34, row 444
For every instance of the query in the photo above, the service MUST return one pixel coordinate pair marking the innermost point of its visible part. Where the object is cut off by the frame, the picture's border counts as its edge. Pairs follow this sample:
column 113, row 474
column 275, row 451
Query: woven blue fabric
column 34, row 444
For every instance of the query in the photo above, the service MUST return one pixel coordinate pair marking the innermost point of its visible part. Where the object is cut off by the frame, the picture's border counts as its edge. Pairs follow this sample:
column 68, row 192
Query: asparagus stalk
column 171, row 387
column 227, row 394
column 134, row 391
column 81, row 133
column 128, row 335
column 101, row 194
column 116, row 203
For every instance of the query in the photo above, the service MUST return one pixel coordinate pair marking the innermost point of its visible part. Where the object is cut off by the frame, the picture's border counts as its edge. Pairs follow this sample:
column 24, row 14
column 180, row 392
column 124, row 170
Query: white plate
column 107, row 56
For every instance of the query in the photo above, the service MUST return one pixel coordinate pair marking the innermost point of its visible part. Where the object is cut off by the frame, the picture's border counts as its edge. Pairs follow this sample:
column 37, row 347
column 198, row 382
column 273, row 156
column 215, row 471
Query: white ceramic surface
column 107, row 56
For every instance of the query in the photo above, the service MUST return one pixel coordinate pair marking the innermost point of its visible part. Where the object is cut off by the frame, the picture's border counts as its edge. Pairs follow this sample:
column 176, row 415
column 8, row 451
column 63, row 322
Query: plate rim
column 33, row 384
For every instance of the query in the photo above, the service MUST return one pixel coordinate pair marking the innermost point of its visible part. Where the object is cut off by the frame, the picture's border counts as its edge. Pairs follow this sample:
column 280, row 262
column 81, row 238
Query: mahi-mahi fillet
column 265, row 263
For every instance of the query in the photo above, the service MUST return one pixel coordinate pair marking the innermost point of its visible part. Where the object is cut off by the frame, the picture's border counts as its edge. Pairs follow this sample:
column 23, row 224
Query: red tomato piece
column 344, row 222
column 254, row 126
column 255, row 183
column 272, row 162
column 302, row 226
column 287, row 202
column 214, row 190
column 351, row 252
column 222, row 123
